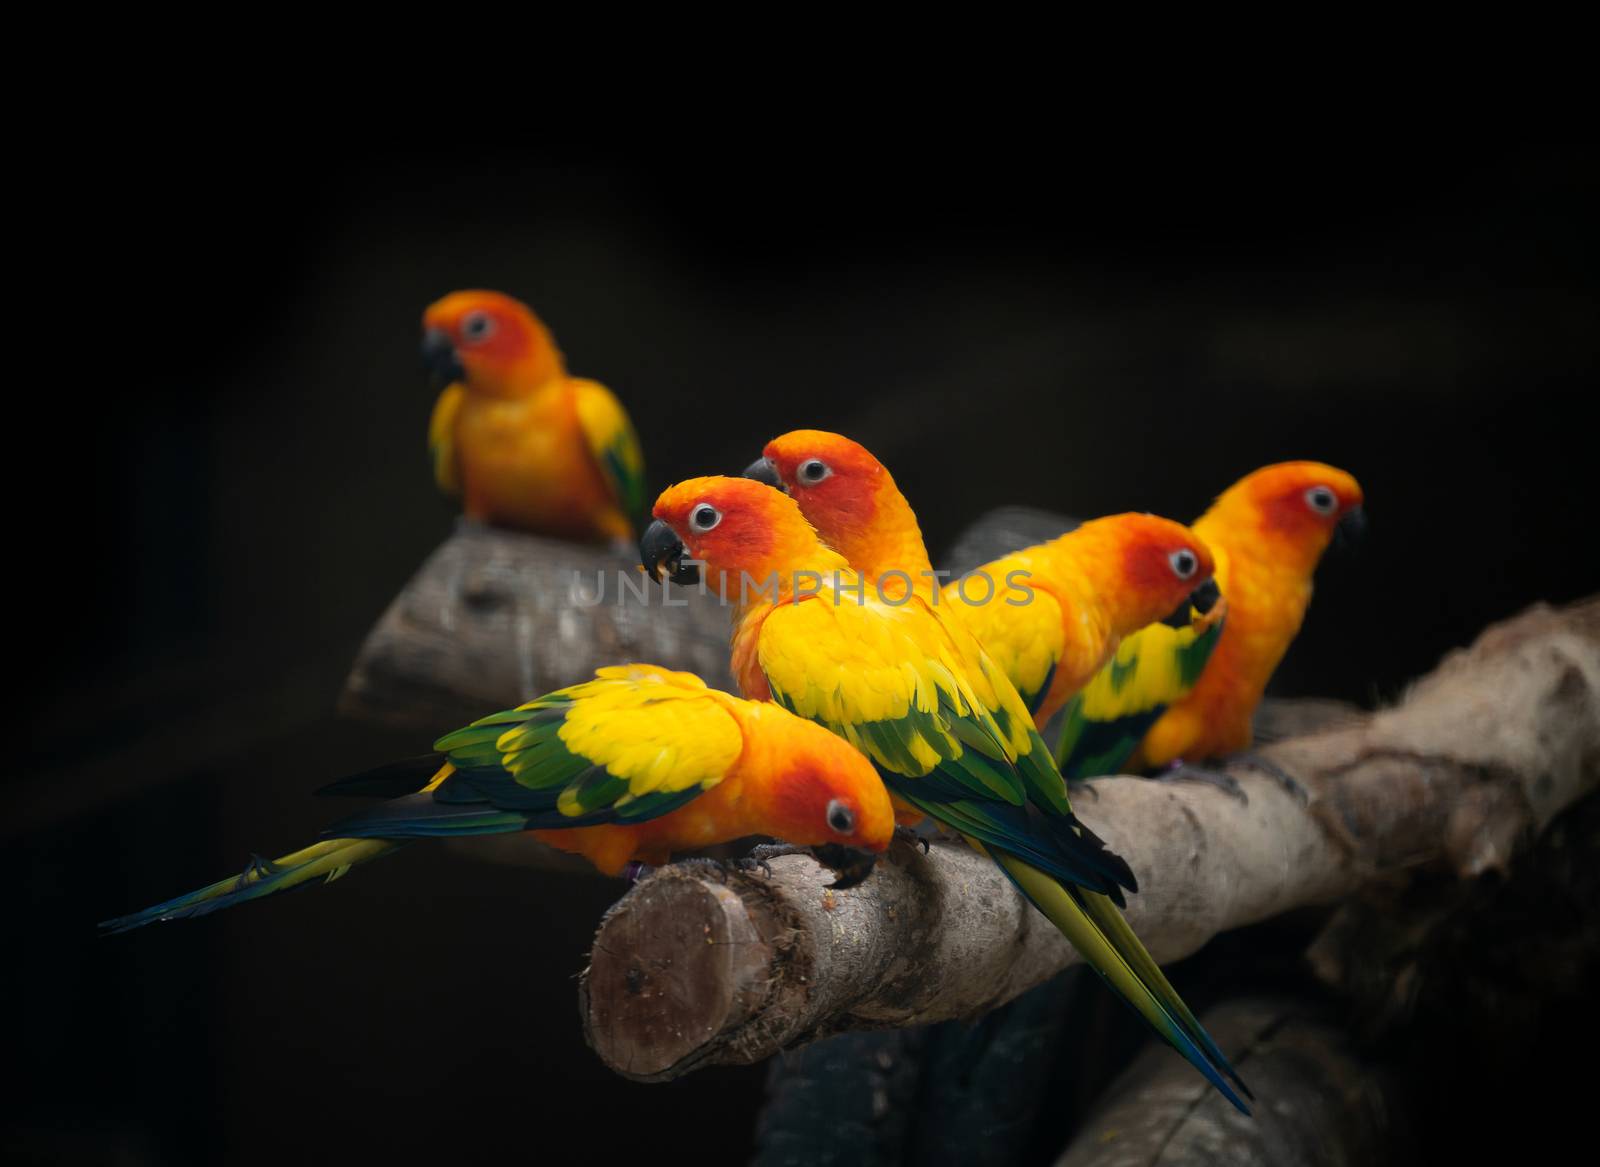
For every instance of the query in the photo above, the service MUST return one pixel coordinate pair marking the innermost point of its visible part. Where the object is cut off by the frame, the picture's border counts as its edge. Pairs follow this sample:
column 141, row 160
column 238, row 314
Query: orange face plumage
column 848, row 496
column 1295, row 506
column 820, row 770
column 736, row 528
column 1157, row 564
column 489, row 342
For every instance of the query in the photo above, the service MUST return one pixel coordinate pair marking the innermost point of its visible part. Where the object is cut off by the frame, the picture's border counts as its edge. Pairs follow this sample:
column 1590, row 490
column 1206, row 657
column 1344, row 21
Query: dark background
column 219, row 428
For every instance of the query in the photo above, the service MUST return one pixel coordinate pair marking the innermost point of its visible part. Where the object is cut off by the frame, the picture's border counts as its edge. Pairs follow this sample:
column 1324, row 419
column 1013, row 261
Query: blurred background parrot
column 1169, row 698
column 629, row 767
column 517, row 439
column 1084, row 591
column 910, row 687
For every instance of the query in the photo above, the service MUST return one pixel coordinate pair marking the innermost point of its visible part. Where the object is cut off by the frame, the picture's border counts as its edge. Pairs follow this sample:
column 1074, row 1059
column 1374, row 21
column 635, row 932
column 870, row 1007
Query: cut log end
column 678, row 961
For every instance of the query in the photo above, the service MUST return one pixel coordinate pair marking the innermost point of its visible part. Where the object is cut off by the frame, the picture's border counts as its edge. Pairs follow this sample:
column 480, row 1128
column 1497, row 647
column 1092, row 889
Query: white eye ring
column 813, row 471
column 841, row 819
column 1184, row 562
column 1322, row 500
column 704, row 517
column 477, row 326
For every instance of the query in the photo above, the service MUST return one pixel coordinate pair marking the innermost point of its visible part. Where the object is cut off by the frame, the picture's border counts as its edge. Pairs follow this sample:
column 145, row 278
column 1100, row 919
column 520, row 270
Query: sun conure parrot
column 1267, row 531
column 629, row 767
column 1050, row 616
column 910, row 687
column 522, row 443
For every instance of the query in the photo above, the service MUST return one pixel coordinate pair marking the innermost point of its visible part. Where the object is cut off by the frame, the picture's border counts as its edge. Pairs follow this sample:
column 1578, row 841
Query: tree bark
column 1328, row 1107
column 494, row 617
column 700, row 965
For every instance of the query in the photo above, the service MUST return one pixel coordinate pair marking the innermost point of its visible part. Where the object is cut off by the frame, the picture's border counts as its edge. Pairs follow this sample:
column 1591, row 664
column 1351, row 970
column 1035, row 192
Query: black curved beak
column 762, row 470
column 1352, row 526
column 439, row 358
column 1202, row 600
column 662, row 552
column 848, row 863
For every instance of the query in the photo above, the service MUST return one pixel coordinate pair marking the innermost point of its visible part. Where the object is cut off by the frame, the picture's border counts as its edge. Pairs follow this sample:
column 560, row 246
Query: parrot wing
column 1104, row 722
column 915, row 693
column 614, row 445
column 442, row 438
column 635, row 743
column 1026, row 640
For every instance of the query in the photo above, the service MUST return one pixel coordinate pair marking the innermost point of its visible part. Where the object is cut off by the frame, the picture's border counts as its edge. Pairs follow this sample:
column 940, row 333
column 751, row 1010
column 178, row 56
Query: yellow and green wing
column 1027, row 640
column 915, row 693
column 614, row 445
column 1104, row 722
column 635, row 743
column 442, row 438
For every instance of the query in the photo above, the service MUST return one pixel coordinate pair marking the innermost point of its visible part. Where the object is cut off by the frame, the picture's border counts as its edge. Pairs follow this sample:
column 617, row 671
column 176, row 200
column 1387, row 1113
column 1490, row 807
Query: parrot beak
column 1202, row 600
column 1352, row 525
column 849, row 864
column 440, row 359
column 662, row 552
column 762, row 470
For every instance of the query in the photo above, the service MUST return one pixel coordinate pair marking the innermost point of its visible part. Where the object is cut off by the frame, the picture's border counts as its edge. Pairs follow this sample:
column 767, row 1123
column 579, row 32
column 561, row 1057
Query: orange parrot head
column 1146, row 569
column 848, row 496
column 489, row 342
column 735, row 528
column 823, row 793
column 1295, row 508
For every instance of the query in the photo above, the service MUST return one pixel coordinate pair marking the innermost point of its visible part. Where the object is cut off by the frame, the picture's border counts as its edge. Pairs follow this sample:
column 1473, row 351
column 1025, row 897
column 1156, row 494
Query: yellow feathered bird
column 908, row 685
column 1050, row 616
column 522, row 443
column 630, row 767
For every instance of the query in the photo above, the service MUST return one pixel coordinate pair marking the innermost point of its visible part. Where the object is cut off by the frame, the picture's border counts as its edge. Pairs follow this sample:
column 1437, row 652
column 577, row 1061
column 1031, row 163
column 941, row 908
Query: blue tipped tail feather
column 327, row 861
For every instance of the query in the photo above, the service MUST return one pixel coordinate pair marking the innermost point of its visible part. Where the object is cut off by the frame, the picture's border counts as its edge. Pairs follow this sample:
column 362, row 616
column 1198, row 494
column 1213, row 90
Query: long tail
column 1098, row 931
column 327, row 860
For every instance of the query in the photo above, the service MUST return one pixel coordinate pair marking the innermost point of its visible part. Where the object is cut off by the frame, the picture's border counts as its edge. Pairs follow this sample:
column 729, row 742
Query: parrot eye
column 841, row 818
column 1184, row 563
column 704, row 517
column 813, row 471
column 477, row 326
column 1322, row 500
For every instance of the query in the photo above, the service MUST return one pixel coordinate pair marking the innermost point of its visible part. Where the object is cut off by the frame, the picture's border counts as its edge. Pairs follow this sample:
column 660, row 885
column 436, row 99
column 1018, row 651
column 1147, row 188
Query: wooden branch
column 496, row 617
column 698, row 965
column 1326, row 1105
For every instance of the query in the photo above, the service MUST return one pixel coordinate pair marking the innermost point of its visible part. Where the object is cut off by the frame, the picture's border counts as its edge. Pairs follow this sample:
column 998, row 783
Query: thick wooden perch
column 699, row 965
column 495, row 617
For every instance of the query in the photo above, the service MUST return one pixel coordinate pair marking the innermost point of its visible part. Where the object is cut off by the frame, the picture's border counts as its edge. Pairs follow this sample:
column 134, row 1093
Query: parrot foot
column 1277, row 773
column 762, row 855
column 1181, row 771
column 1085, row 786
column 634, row 872
column 906, row 834
column 255, row 871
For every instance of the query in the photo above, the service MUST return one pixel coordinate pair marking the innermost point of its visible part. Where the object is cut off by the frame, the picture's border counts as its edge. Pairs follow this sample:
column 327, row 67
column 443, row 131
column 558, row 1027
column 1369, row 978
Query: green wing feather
column 615, row 447
column 633, row 744
column 1104, row 722
column 940, row 721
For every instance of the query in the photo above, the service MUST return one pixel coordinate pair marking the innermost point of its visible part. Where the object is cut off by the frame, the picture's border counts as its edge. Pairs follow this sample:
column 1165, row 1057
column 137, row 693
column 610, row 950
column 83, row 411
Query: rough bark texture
column 1475, row 757
column 495, row 617
column 1327, row 1108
